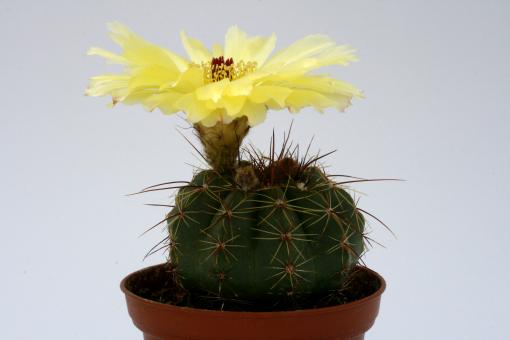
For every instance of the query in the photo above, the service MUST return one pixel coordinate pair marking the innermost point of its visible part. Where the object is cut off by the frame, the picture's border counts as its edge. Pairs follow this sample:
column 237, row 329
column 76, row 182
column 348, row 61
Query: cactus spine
column 267, row 230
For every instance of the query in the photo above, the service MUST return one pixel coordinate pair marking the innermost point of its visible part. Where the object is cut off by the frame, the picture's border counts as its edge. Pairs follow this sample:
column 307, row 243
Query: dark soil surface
column 158, row 284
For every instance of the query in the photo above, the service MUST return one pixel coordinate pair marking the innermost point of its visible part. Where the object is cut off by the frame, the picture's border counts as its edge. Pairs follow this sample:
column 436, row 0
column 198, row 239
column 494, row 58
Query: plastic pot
column 159, row 321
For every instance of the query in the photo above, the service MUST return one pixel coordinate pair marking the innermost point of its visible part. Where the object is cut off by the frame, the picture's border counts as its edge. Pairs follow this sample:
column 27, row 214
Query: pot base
column 150, row 337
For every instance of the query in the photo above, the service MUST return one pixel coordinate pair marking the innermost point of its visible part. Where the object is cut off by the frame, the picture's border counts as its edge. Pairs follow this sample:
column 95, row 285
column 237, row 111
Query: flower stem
column 222, row 143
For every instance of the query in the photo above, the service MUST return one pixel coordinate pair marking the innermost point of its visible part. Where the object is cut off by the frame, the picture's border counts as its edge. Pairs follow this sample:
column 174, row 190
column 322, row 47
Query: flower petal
column 264, row 93
column 337, row 55
column 299, row 99
column 212, row 91
column 197, row 52
column 195, row 109
column 303, row 48
column 239, row 47
column 188, row 81
column 152, row 77
column 137, row 51
column 235, row 43
column 258, row 49
column 233, row 105
column 310, row 52
column 108, row 84
column 164, row 101
column 213, row 118
column 239, row 87
column 256, row 113
column 217, row 50
column 109, row 56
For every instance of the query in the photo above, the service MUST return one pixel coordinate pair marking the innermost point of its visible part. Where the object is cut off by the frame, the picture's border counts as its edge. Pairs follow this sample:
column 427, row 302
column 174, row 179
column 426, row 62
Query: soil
column 158, row 284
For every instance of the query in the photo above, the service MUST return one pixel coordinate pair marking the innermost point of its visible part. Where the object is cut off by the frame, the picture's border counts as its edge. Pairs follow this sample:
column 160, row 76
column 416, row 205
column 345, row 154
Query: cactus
column 273, row 230
column 252, row 229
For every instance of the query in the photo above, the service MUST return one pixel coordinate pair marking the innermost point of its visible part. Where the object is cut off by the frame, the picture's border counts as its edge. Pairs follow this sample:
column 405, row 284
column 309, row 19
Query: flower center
column 218, row 69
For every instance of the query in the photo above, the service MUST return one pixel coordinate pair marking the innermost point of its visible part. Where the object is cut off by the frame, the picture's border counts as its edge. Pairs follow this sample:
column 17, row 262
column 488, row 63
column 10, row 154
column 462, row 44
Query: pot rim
column 278, row 314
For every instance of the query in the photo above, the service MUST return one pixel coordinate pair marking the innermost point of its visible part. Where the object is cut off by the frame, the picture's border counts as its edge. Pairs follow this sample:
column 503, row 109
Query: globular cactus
column 256, row 230
column 273, row 231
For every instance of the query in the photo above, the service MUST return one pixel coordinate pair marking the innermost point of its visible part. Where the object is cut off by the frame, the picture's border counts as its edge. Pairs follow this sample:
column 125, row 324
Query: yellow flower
column 227, row 82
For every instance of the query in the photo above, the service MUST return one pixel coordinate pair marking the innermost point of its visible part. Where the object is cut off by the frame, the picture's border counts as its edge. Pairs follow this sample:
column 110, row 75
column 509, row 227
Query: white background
column 436, row 77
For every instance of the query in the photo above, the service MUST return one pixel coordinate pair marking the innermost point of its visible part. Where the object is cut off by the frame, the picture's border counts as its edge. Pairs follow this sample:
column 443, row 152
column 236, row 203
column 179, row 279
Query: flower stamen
column 218, row 69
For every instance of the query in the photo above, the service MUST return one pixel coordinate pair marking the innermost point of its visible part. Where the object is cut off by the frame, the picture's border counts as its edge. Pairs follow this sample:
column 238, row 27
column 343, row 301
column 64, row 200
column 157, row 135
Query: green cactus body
column 287, row 241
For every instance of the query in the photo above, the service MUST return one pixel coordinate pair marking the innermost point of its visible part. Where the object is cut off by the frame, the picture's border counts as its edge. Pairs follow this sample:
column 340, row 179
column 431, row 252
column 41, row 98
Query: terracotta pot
column 160, row 321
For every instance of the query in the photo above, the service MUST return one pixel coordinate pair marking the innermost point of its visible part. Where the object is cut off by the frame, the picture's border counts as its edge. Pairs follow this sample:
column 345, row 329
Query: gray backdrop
column 435, row 75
